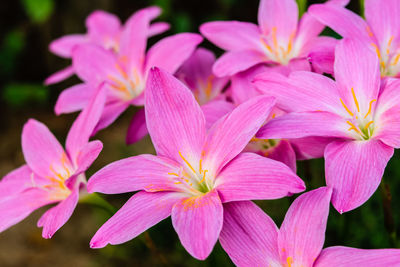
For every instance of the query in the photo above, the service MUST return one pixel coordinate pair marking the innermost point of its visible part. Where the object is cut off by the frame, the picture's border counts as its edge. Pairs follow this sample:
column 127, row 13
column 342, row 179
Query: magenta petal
column 309, row 28
column 214, row 110
column 60, row 75
column 281, row 14
column 251, row 176
column 232, row 35
column 83, row 126
column 41, row 149
column 74, row 98
column 174, row 119
column 236, row 61
column 305, row 124
column 57, row 216
column 346, row 256
column 302, row 233
column 87, row 155
column 169, row 53
column 143, row 172
column 198, row 222
column 284, row 153
column 102, row 27
column 249, row 236
column 17, row 181
column 310, row 147
column 16, row 208
column 63, row 46
column 158, row 28
column 139, row 213
column 137, row 128
column 230, row 135
column 322, row 54
column 111, row 112
column 350, row 172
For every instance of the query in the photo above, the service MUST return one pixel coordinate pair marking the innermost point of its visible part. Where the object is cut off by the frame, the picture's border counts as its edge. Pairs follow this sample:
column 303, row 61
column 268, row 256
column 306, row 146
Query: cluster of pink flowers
column 226, row 131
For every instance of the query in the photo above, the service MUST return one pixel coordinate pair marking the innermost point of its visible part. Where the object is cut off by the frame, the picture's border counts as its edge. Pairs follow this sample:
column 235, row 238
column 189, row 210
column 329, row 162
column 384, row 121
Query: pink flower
column 251, row 238
column 103, row 29
column 380, row 31
column 358, row 110
column 195, row 170
column 52, row 174
column 278, row 39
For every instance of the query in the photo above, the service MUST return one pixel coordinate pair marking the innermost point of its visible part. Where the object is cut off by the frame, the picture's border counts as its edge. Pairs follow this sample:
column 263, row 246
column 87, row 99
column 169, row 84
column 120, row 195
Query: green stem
column 388, row 213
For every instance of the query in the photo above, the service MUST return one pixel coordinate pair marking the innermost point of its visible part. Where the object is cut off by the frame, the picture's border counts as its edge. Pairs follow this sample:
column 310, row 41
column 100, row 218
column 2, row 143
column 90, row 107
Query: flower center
column 389, row 58
column 204, row 92
column 126, row 86
column 361, row 124
column 261, row 146
column 275, row 50
column 192, row 179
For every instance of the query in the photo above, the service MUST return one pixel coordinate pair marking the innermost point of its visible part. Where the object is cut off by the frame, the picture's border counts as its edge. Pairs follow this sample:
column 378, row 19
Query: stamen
column 121, row 71
column 267, row 46
column 370, row 34
column 274, row 40
column 174, row 174
column 204, row 177
column 396, row 60
column 187, row 162
column 289, row 261
column 346, row 108
column 200, row 166
column 353, row 127
column 355, row 99
column 370, row 108
column 378, row 52
column 209, row 86
column 368, row 124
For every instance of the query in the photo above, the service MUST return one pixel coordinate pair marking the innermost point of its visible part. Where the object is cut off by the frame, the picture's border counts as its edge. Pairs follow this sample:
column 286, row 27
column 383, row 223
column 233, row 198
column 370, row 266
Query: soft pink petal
column 93, row 64
column 302, row 91
column 232, row 35
column 17, row 181
column 354, row 170
column 137, row 128
column 16, row 208
column 103, row 27
column 309, row 28
column 110, row 113
column 249, row 236
column 74, row 98
column 383, row 19
column 139, row 213
column 321, row 53
column 87, row 155
column 215, row 110
column 233, row 62
column 57, row 216
column 174, row 119
column 310, row 147
column 345, row 256
column 172, row 51
column 230, row 135
column 60, row 75
column 284, row 153
column 305, row 124
column 63, row 46
column 198, row 222
column 357, row 67
column 341, row 20
column 83, row 126
column 152, row 11
column 246, row 178
column 143, row 172
column 302, row 233
column 158, row 28
column 41, row 149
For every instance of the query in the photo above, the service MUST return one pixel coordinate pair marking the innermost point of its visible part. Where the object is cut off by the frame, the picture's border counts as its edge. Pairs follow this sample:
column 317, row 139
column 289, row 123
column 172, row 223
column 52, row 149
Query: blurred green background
column 27, row 27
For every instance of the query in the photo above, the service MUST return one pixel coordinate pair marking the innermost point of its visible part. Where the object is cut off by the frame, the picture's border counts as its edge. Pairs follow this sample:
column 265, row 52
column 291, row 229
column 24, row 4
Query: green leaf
column 302, row 4
column 17, row 94
column 38, row 10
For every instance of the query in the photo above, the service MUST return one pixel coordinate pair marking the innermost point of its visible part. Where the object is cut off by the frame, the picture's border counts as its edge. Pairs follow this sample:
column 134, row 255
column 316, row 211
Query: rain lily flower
column 358, row 110
column 52, row 174
column 380, row 30
column 197, row 75
column 251, row 238
column 195, row 170
column 103, row 29
column 124, row 74
column 278, row 39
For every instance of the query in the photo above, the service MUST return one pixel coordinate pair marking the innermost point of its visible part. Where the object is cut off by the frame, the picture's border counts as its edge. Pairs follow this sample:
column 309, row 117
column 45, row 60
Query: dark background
column 26, row 29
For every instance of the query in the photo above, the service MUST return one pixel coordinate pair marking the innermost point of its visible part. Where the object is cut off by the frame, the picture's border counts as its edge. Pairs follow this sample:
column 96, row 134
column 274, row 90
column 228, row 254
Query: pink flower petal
column 137, row 128
column 230, row 135
column 57, row 216
column 41, row 149
column 245, row 178
column 174, row 119
column 111, row 112
column 60, row 75
column 282, row 15
column 345, row 256
column 74, row 98
column 302, row 233
column 233, row 62
column 284, row 153
column 249, row 236
column 63, row 46
column 103, row 27
column 214, row 110
column 198, row 222
column 158, row 28
column 232, row 35
column 143, row 172
column 322, row 54
column 87, row 155
column 169, row 53
column 310, row 147
column 139, row 213
column 354, row 170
